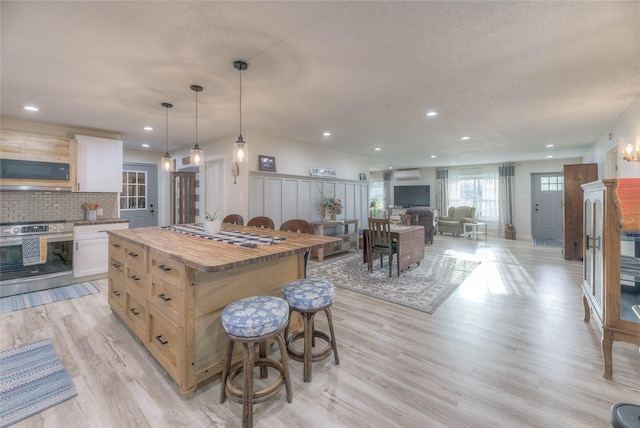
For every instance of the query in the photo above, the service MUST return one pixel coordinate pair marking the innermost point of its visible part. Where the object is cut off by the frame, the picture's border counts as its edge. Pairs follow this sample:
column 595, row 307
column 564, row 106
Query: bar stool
column 308, row 296
column 253, row 321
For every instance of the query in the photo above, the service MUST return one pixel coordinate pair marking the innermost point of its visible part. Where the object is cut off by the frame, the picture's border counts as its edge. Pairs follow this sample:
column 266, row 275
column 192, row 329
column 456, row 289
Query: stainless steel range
column 54, row 256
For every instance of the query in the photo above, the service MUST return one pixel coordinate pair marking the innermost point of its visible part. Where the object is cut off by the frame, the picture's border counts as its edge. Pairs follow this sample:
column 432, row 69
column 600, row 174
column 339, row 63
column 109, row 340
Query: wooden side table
column 475, row 229
column 349, row 238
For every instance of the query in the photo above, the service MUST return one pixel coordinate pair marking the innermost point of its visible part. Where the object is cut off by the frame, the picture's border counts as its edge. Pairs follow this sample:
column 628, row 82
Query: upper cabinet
column 99, row 164
column 29, row 161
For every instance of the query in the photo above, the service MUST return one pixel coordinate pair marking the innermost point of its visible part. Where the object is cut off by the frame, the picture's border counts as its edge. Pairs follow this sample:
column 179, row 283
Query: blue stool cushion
column 255, row 316
column 309, row 293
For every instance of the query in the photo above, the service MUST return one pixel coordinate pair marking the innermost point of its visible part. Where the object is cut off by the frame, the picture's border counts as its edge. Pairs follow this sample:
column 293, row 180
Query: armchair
column 453, row 221
column 424, row 218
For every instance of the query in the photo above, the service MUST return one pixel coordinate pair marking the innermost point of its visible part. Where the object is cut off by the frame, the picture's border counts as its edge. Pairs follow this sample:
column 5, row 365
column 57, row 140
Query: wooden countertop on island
column 211, row 256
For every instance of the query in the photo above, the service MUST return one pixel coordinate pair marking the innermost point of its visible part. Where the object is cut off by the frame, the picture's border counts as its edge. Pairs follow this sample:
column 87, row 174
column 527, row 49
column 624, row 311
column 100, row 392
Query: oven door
column 16, row 278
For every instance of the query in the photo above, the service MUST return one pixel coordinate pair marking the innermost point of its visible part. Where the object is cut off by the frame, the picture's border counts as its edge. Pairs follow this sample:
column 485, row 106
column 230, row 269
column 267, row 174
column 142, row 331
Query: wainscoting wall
column 284, row 197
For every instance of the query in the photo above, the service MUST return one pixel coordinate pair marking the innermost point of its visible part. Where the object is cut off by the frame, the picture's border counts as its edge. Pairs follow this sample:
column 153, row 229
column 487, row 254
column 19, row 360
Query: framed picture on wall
column 266, row 163
column 363, row 176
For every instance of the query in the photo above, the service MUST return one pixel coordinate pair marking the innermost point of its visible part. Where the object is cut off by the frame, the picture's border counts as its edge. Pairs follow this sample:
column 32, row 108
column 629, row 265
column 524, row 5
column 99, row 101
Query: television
column 411, row 196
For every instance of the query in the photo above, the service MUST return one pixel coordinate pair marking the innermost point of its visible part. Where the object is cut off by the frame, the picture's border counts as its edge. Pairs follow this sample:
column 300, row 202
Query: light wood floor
column 508, row 349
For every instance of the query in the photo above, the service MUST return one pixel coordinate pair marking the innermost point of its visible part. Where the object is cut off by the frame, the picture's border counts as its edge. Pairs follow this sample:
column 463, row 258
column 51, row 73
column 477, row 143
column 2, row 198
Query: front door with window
column 139, row 195
column 546, row 205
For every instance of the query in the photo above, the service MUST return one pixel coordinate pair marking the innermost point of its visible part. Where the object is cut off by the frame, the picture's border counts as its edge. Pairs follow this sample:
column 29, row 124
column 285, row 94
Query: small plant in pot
column 212, row 223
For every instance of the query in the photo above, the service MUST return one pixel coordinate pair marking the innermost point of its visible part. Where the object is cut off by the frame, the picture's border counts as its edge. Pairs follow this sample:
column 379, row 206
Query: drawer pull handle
column 166, row 299
column 116, row 265
column 116, row 293
column 135, row 278
column 116, row 245
column 133, row 255
column 162, row 342
column 164, row 268
column 134, row 312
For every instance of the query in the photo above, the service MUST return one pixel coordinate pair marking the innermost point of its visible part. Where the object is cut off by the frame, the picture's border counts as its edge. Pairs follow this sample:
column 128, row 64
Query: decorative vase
column 333, row 216
column 323, row 213
column 212, row 227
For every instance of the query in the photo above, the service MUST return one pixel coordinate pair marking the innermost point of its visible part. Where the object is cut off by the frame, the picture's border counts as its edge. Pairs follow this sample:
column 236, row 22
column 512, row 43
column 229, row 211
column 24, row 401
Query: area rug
column 423, row 288
column 32, row 379
column 37, row 298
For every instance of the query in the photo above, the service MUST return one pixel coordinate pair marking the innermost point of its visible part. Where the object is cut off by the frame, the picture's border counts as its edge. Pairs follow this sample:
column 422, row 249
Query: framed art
column 363, row 176
column 266, row 163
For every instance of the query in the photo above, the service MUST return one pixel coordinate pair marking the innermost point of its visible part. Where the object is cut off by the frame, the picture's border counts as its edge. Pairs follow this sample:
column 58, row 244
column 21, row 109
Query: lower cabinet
column 91, row 249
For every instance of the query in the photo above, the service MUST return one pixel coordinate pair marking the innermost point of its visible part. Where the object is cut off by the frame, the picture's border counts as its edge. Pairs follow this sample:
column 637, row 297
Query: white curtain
column 476, row 187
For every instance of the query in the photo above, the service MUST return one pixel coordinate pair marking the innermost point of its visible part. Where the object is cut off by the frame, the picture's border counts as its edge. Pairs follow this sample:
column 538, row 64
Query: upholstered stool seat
column 308, row 296
column 625, row 415
column 253, row 321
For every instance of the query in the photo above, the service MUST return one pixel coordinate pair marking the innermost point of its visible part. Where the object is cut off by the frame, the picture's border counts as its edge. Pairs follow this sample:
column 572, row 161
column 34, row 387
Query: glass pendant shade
column 240, row 148
column 166, row 163
column 240, row 154
column 196, row 154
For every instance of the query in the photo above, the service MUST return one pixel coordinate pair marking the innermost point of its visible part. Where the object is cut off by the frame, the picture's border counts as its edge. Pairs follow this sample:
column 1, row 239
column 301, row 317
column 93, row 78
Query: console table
column 410, row 247
column 349, row 238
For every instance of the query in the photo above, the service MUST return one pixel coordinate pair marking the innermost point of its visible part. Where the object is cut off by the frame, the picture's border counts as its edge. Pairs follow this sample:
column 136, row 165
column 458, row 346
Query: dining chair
column 380, row 242
column 300, row 226
column 261, row 221
column 234, row 219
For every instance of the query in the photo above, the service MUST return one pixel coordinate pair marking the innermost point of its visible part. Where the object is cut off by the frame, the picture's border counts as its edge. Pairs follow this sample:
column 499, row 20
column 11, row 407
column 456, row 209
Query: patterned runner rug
column 37, row 298
column 423, row 288
column 32, row 379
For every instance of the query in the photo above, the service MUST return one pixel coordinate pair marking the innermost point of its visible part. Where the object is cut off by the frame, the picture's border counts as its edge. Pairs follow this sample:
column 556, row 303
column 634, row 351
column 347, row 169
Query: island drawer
column 137, row 281
column 116, row 248
column 116, row 266
column 165, row 343
column 117, row 293
column 168, row 299
column 168, row 270
column 136, row 315
column 135, row 255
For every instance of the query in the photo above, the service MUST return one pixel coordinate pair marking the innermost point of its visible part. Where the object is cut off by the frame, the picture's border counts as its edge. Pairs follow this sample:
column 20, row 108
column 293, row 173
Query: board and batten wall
column 284, row 197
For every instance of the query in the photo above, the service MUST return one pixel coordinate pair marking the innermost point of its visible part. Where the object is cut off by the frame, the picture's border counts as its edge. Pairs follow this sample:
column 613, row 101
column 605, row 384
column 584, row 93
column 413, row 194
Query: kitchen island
column 170, row 289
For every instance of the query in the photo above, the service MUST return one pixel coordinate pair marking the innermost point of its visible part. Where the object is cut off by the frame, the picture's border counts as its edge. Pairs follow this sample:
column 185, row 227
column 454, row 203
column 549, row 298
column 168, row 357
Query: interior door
column 139, row 194
column 546, row 205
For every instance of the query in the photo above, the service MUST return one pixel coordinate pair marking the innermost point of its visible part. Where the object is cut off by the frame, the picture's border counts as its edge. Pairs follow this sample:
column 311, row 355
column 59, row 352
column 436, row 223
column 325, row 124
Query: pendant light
column 196, row 152
column 240, row 153
column 167, row 162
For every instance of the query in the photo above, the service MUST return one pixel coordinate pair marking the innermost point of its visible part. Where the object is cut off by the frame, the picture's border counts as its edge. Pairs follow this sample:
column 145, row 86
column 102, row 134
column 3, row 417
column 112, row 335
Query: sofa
column 424, row 218
column 455, row 218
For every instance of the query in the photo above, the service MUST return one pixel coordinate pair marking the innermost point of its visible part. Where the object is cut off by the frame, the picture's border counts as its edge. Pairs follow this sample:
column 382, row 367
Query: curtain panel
column 507, row 195
column 442, row 193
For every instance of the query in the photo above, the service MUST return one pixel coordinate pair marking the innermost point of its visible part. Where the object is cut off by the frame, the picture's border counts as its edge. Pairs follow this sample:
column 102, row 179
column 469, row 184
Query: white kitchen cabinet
column 91, row 249
column 99, row 164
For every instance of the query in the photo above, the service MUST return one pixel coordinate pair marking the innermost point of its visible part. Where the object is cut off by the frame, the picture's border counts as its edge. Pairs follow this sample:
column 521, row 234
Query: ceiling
column 512, row 76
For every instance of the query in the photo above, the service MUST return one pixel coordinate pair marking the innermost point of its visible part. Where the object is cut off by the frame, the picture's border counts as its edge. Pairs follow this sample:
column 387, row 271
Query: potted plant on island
column 212, row 223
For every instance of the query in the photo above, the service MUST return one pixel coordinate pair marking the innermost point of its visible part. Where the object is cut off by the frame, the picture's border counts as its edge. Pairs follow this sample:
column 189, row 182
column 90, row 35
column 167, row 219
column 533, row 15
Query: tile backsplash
column 21, row 205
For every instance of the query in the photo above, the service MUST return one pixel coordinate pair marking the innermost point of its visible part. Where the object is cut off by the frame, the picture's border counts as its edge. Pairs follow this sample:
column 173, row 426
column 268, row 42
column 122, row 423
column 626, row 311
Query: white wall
column 626, row 126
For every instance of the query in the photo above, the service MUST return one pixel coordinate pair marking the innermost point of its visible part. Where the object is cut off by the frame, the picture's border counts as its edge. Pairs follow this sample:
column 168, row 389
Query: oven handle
column 17, row 240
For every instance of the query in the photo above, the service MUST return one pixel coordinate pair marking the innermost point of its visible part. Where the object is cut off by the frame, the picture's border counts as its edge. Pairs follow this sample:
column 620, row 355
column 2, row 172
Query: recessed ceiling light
column 453, row 163
column 390, row 167
column 327, row 134
column 464, row 138
column 31, row 108
column 145, row 145
column 432, row 113
column 148, row 128
column 377, row 149
column 549, row 145
column 549, row 156
column 433, row 156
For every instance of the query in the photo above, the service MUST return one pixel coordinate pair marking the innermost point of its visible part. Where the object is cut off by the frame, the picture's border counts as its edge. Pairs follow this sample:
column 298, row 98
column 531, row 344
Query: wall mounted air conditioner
column 407, row 174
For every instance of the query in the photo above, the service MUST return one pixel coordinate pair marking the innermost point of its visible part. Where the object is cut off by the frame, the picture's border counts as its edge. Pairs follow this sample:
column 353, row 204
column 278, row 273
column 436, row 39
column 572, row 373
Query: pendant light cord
column 240, row 71
column 167, row 108
column 196, row 118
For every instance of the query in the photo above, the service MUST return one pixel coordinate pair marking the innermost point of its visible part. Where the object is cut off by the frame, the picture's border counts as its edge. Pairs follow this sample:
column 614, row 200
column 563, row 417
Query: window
column 551, row 184
column 476, row 187
column 377, row 192
column 134, row 190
